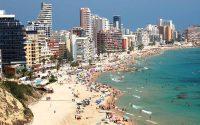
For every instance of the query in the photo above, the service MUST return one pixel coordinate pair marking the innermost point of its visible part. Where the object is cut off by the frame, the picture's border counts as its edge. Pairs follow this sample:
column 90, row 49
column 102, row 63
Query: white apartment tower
column 45, row 17
column 163, row 22
column 86, row 21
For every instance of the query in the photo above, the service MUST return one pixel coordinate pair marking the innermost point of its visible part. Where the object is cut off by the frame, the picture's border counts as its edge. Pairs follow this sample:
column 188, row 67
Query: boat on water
column 147, row 112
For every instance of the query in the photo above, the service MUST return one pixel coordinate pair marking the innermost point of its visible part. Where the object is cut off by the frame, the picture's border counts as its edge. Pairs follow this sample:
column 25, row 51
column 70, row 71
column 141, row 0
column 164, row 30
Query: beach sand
column 60, row 110
column 55, row 111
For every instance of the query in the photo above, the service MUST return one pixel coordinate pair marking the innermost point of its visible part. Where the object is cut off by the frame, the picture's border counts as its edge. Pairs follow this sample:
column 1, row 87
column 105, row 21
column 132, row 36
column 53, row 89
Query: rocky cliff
column 14, row 99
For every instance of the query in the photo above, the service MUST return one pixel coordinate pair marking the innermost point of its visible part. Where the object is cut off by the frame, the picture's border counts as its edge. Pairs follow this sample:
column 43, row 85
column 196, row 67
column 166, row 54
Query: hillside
column 14, row 99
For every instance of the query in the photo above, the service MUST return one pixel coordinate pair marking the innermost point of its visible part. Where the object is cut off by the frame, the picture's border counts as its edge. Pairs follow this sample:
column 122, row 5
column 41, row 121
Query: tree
column 58, row 67
column 152, row 44
column 131, row 48
column 52, row 79
column 30, row 74
column 141, row 46
column 53, row 59
column 24, row 71
column 43, row 61
column 74, row 64
column 90, row 61
column 69, row 57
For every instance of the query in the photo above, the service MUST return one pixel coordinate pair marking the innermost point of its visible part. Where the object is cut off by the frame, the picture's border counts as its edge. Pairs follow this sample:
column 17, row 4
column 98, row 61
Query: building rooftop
column 4, row 15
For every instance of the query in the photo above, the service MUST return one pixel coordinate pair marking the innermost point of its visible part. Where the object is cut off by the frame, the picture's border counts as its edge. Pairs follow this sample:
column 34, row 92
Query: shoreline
column 63, row 112
column 142, row 54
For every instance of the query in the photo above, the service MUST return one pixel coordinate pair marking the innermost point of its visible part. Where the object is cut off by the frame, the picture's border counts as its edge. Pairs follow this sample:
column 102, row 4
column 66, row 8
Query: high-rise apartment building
column 54, row 47
column 129, row 42
column 117, row 22
column 163, row 22
column 86, row 21
column 193, row 35
column 45, row 18
column 166, row 30
column 42, row 38
column 99, row 24
column 32, row 48
column 81, row 49
column 153, row 33
column 142, row 37
column 105, row 23
column 12, row 38
column 0, row 65
column 62, row 37
column 109, row 41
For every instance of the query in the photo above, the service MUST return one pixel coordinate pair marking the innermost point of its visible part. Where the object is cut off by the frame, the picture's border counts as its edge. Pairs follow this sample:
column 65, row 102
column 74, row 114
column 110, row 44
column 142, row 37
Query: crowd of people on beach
column 107, row 95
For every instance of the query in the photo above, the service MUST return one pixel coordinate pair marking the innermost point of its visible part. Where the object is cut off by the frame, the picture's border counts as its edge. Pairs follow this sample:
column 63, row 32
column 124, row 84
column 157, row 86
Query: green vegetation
column 52, row 79
column 18, row 91
column 28, row 113
column 23, row 71
column 90, row 62
column 74, row 64
column 9, row 76
column 23, row 93
column 131, row 48
column 141, row 46
column 170, row 42
column 152, row 43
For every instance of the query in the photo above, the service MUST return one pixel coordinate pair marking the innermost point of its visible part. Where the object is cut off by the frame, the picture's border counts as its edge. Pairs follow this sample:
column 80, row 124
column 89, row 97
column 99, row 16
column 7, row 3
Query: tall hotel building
column 193, row 35
column 109, row 41
column 12, row 38
column 86, row 21
column 117, row 22
column 32, row 48
column 166, row 30
column 45, row 18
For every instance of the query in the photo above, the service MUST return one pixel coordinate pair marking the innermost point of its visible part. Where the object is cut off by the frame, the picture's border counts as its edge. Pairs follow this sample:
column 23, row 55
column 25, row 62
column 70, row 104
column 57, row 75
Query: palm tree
column 43, row 62
column 23, row 71
column 52, row 59
column 30, row 74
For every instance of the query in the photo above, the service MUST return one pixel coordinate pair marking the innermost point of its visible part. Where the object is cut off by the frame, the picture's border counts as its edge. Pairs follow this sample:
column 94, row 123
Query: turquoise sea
column 166, row 85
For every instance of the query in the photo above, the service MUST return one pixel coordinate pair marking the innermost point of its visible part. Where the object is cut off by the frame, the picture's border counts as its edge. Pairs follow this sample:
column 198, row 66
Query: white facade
column 153, row 33
column 80, row 48
column 61, row 36
column 143, row 37
column 169, row 23
column 131, row 40
column 4, row 15
column 153, row 29
column 105, row 24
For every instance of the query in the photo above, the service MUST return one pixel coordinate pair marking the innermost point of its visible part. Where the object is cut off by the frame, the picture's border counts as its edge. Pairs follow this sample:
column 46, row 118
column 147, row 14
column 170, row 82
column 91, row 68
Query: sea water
column 165, row 90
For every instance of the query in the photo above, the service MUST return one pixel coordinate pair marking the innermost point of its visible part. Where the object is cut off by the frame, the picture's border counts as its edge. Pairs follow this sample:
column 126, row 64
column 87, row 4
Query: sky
column 134, row 13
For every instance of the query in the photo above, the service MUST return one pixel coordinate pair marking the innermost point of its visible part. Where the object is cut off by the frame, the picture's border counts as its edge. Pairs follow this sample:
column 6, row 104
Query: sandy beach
column 54, row 111
column 61, row 106
column 61, row 110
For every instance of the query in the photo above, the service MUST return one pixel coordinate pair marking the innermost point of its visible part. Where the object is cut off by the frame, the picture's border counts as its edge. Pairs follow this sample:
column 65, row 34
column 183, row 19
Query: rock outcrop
column 11, row 110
